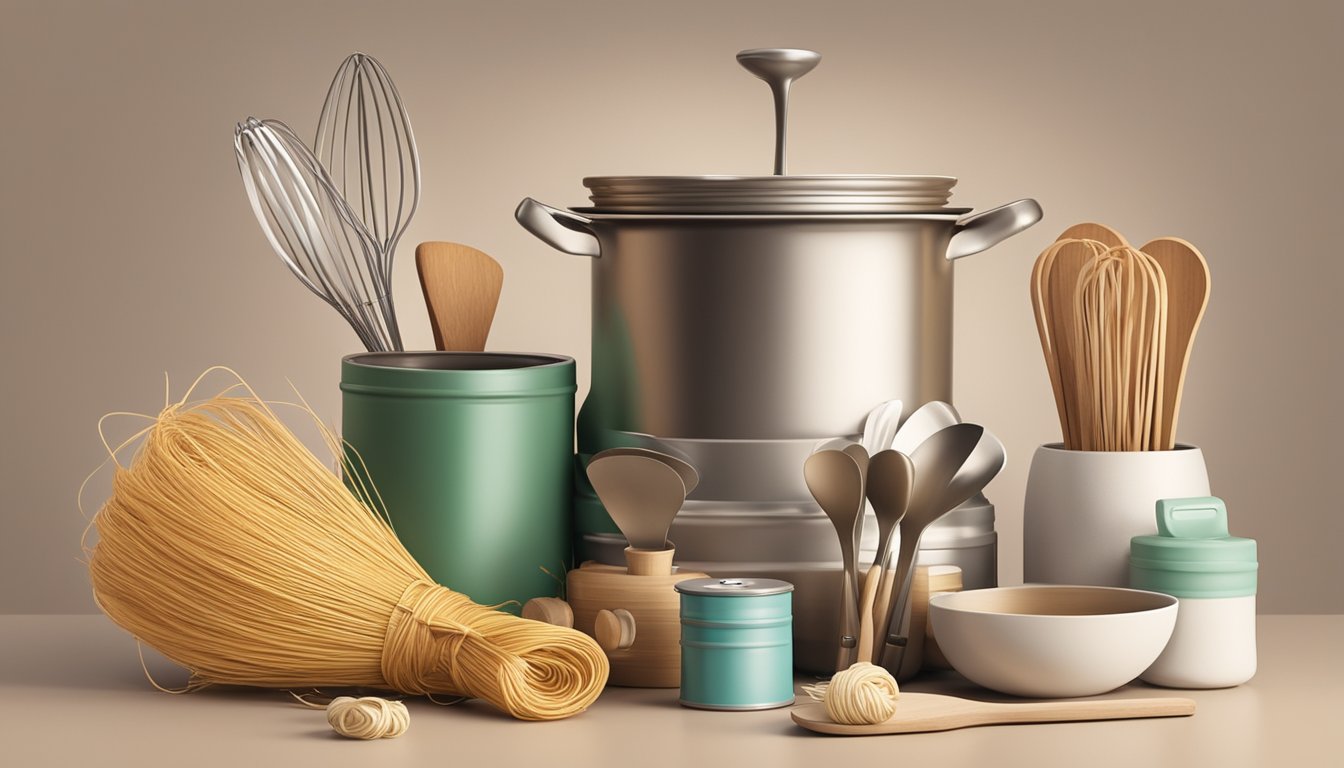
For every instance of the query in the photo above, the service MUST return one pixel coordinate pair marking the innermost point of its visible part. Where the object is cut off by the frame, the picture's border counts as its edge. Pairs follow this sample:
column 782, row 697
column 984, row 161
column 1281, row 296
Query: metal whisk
column 314, row 230
column 365, row 142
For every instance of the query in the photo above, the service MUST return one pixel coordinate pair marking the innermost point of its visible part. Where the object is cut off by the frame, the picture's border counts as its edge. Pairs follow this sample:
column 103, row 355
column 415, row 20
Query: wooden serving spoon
column 461, row 286
column 1055, row 289
column 1187, row 279
column 924, row 712
column 1090, row 230
column 1046, row 299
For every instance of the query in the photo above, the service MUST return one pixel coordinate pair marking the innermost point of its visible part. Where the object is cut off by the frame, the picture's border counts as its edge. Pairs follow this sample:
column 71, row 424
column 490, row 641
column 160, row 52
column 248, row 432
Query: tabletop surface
column 72, row 691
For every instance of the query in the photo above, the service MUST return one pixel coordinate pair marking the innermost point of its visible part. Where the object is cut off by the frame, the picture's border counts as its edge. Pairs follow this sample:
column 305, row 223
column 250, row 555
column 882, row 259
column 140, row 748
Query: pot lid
column 777, row 194
column 768, row 194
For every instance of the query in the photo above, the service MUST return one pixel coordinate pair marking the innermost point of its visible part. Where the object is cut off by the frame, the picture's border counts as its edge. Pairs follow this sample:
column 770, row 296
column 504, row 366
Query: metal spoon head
column 937, row 461
column 920, row 425
column 641, row 494
column 689, row 476
column 778, row 65
column 880, row 426
column 982, row 466
column 891, row 477
column 836, row 482
column 860, row 457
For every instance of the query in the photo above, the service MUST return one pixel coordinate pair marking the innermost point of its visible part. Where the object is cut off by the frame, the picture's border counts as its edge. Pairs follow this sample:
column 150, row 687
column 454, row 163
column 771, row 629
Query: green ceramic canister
column 736, row 643
column 472, row 455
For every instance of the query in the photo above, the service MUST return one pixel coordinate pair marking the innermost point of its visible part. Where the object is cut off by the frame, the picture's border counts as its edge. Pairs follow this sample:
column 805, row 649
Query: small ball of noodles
column 864, row 694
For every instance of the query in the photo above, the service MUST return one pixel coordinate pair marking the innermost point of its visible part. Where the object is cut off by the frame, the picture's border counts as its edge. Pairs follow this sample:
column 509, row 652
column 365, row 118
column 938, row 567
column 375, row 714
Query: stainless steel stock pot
column 767, row 324
column 738, row 320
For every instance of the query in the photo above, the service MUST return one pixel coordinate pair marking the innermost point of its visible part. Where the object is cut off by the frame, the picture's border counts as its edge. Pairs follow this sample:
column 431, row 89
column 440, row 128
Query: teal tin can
column 736, row 643
column 471, row 455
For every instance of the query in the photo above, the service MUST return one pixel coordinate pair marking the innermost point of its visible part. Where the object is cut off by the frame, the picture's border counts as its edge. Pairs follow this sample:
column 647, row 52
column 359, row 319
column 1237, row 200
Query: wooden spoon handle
column 1070, row 711
column 870, row 585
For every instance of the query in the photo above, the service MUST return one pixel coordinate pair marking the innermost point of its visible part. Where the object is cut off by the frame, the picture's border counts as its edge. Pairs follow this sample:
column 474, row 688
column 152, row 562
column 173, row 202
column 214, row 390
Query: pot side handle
column 559, row 229
column 975, row 233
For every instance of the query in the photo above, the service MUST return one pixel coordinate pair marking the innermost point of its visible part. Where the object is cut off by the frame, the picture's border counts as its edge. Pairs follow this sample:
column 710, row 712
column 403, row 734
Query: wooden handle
column 614, row 630
column 870, row 584
column 880, row 608
column 550, row 610
column 461, row 287
column 1104, row 709
column 649, row 562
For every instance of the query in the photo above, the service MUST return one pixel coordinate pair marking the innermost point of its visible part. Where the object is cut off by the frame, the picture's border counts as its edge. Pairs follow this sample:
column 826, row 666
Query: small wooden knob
column 551, row 610
column 614, row 630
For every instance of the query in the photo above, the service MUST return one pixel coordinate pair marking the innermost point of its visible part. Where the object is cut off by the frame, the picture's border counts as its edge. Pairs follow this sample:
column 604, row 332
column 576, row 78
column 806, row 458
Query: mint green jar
column 1213, row 576
column 736, row 643
column 472, row 456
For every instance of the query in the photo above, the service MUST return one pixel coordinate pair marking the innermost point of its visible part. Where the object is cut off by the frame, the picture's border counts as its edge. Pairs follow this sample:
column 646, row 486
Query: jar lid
column 1192, row 554
column 733, row 587
column 833, row 194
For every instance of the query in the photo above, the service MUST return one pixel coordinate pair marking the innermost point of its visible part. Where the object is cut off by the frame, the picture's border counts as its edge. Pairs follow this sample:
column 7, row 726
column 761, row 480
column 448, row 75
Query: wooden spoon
column 1090, row 230
column 1187, row 279
column 924, row 712
column 1059, row 356
column 1056, row 289
column 461, row 286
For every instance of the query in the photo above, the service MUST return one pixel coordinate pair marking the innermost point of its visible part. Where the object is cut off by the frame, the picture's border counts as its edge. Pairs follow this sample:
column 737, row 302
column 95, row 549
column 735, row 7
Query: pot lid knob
column 779, row 67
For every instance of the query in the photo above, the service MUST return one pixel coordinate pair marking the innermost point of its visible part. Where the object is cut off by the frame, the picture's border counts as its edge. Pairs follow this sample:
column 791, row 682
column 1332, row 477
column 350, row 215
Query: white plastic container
column 1213, row 575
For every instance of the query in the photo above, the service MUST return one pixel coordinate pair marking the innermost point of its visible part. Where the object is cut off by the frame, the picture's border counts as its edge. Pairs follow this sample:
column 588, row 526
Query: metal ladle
column 936, row 489
column 779, row 67
column 836, row 480
column 888, row 485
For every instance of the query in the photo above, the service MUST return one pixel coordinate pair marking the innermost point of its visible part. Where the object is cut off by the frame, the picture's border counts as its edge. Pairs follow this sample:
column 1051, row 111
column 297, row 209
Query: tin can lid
column 1192, row 554
column 743, row 587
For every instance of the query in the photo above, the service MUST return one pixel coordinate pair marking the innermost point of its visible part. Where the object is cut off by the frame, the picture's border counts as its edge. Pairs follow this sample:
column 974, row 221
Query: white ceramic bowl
column 1049, row 641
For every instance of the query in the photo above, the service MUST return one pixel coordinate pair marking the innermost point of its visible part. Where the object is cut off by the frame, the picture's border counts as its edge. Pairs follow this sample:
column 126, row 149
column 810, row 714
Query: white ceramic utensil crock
column 1083, row 507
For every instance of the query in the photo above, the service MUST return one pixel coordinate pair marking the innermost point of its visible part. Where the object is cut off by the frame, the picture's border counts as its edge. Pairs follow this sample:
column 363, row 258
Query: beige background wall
column 128, row 248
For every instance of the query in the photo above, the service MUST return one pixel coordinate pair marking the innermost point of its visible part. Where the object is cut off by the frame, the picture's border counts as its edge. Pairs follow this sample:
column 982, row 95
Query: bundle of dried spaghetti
column 228, row 547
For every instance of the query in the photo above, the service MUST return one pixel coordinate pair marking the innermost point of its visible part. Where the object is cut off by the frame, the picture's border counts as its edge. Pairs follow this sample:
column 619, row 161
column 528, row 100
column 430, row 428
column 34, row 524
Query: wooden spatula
column 461, row 286
column 1187, row 278
column 923, row 712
